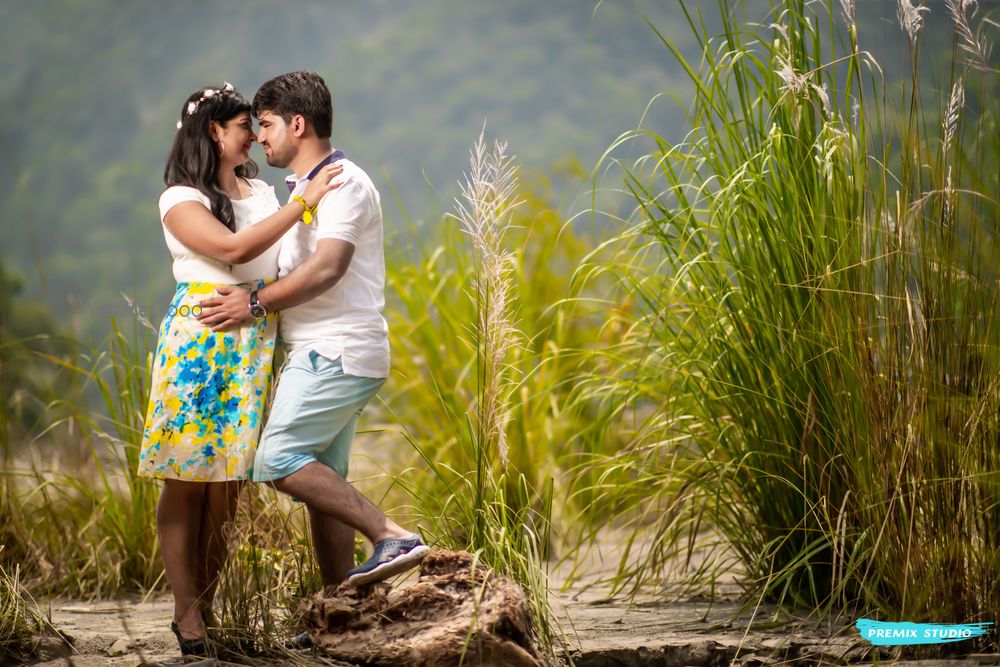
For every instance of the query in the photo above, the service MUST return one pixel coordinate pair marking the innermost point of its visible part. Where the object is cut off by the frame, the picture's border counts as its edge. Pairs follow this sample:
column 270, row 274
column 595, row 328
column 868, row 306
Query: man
column 330, row 291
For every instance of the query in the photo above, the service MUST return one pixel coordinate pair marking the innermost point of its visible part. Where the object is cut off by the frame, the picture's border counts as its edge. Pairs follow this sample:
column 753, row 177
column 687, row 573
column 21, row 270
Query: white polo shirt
column 346, row 320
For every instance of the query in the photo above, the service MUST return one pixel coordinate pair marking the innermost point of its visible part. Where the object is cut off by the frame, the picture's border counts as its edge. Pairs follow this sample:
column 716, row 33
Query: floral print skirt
column 207, row 395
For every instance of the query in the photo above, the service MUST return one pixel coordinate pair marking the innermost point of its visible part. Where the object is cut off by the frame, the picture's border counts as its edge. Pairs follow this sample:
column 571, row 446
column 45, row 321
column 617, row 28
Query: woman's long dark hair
column 194, row 158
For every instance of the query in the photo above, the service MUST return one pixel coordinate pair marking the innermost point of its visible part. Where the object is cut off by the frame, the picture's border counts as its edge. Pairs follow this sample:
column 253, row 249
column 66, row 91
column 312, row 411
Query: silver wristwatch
column 257, row 309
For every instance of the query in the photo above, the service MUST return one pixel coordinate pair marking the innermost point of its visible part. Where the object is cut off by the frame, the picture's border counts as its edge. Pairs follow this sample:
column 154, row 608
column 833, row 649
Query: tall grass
column 270, row 569
column 433, row 314
column 488, row 332
column 88, row 531
column 21, row 621
column 818, row 317
column 476, row 497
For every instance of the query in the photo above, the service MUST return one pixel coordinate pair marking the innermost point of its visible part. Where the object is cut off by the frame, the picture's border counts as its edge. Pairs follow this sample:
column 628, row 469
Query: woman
column 208, row 389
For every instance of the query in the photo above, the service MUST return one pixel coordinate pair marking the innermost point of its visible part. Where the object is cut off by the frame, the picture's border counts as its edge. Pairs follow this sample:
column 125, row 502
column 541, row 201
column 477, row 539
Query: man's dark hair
column 297, row 93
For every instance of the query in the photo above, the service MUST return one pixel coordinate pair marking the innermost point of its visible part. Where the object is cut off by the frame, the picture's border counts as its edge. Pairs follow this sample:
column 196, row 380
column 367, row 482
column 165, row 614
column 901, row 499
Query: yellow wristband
column 308, row 215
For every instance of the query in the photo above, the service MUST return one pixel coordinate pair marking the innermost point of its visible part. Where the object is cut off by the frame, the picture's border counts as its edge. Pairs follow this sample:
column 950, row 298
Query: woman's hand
column 321, row 183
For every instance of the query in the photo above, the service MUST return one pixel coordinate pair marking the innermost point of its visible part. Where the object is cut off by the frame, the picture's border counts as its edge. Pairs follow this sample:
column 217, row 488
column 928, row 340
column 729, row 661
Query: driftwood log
column 453, row 613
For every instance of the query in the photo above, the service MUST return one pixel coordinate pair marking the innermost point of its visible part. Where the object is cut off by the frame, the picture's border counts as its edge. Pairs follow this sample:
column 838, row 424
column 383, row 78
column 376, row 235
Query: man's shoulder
column 356, row 186
column 353, row 173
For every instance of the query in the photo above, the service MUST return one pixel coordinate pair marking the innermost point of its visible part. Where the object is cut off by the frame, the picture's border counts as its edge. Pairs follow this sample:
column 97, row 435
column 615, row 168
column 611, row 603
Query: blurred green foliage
column 26, row 329
column 93, row 90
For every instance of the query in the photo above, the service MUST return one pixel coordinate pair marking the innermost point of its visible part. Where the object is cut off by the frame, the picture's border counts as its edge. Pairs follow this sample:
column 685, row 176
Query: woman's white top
column 190, row 266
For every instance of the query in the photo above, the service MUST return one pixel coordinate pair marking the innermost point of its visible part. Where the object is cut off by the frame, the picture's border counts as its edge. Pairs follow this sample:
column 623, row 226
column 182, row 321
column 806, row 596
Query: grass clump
column 82, row 523
column 21, row 622
column 815, row 346
column 482, row 335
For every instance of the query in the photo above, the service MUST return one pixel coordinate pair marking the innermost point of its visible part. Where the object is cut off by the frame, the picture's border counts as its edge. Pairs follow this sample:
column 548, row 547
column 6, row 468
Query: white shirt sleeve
column 343, row 213
column 177, row 194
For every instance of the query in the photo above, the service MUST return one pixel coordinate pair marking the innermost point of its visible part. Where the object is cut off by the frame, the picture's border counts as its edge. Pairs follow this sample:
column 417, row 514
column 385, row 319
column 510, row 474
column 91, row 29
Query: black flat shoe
column 196, row 647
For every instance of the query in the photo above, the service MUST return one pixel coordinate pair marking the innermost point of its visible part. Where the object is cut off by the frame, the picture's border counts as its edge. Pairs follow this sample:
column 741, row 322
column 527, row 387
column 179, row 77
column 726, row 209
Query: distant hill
column 92, row 90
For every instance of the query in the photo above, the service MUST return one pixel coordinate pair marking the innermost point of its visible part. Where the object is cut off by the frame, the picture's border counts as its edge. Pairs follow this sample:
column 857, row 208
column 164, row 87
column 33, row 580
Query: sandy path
column 600, row 635
column 141, row 630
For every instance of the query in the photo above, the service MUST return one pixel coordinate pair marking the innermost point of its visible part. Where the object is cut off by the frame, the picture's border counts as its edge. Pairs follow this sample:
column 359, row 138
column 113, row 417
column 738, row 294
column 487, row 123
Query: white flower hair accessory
column 192, row 107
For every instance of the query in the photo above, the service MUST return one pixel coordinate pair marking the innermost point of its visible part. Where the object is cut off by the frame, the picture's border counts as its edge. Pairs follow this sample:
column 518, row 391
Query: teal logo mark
column 882, row 633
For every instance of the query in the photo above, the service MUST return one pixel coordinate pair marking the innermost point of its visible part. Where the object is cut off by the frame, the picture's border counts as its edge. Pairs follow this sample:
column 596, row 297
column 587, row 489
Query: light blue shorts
column 313, row 416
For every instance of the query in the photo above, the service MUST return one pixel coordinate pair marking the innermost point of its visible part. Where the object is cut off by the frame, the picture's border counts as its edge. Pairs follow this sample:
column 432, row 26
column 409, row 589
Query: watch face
column 258, row 311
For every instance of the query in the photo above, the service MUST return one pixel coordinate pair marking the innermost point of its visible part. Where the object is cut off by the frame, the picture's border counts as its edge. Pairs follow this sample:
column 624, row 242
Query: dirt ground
column 599, row 633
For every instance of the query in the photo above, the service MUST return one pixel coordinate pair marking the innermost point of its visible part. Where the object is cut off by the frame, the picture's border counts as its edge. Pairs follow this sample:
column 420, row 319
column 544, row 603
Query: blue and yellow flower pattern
column 208, row 392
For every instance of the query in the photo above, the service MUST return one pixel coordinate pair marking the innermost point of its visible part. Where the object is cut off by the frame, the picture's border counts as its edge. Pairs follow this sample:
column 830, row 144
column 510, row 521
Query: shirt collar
column 293, row 183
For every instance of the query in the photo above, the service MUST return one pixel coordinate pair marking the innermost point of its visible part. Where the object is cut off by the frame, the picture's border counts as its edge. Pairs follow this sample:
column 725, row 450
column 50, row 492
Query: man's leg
column 307, row 440
column 395, row 549
column 333, row 540
column 334, row 544
column 325, row 491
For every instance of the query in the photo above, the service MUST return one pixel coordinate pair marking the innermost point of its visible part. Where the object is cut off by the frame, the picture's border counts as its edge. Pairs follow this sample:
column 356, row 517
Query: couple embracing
column 246, row 267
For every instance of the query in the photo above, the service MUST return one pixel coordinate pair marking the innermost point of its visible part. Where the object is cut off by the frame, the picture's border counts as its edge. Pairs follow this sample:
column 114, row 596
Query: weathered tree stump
column 452, row 610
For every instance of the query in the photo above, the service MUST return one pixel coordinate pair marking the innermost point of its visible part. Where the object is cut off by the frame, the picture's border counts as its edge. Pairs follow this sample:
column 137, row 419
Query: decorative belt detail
column 184, row 311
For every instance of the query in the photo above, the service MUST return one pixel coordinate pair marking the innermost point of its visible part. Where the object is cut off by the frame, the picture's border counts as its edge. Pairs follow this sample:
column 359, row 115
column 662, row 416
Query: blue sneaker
column 390, row 557
column 300, row 642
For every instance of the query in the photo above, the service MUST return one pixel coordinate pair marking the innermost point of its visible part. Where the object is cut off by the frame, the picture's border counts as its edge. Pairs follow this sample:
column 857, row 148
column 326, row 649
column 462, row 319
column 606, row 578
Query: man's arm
column 320, row 272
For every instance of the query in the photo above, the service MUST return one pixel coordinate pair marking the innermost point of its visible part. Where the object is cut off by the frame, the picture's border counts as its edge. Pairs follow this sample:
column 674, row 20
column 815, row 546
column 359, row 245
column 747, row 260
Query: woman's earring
column 222, row 148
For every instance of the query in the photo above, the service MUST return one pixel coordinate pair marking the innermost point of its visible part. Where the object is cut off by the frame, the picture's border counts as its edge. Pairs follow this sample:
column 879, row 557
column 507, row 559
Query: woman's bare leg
column 178, row 524
column 221, row 500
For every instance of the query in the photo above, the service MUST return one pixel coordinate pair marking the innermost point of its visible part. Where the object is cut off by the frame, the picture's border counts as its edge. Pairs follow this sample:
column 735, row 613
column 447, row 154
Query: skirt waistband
column 205, row 286
column 188, row 295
